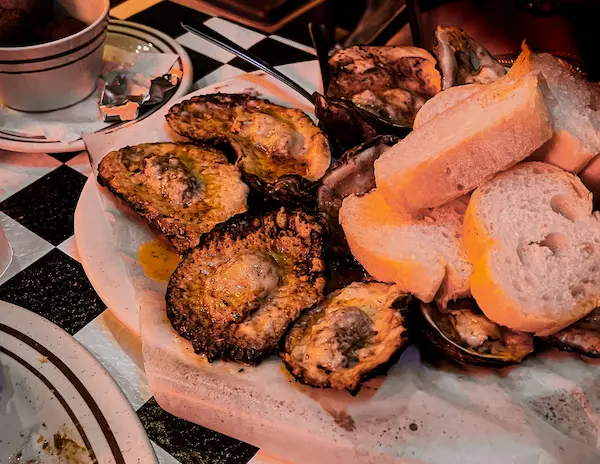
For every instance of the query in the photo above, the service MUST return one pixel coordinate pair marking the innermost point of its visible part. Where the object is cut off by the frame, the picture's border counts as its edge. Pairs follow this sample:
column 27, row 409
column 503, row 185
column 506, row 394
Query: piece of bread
column 564, row 151
column 423, row 255
column 444, row 100
column 590, row 176
column 535, row 246
column 573, row 101
column 464, row 146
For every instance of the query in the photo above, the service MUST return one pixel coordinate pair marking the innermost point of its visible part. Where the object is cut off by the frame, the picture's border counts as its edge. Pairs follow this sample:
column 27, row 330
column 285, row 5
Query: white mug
column 6, row 252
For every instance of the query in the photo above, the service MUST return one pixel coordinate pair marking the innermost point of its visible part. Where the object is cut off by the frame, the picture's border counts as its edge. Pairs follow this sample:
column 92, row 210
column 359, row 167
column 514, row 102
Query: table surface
column 38, row 197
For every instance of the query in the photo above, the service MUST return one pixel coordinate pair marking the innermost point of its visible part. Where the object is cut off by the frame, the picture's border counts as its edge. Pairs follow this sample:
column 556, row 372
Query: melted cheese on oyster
column 348, row 336
column 240, row 284
column 277, row 138
column 335, row 342
column 169, row 176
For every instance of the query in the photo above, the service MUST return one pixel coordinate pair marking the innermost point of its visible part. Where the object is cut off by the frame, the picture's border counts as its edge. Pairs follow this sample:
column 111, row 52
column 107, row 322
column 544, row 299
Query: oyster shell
column 583, row 337
column 351, row 174
column 355, row 333
column 236, row 293
column 390, row 82
column 462, row 60
column 272, row 143
column 184, row 190
column 465, row 336
column 347, row 125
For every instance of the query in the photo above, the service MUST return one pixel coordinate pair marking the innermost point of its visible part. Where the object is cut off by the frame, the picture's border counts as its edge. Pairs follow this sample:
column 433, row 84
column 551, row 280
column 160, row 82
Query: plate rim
column 24, row 327
column 44, row 146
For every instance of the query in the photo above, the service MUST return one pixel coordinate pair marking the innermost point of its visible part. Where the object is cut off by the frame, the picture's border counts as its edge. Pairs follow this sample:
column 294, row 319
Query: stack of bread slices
column 482, row 199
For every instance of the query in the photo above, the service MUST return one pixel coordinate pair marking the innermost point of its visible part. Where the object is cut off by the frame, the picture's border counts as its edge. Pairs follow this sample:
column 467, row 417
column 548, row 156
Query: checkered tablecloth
column 38, row 197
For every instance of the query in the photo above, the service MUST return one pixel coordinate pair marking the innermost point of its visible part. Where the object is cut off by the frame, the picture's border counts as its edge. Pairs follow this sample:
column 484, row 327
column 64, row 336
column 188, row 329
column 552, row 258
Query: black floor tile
column 190, row 443
column 64, row 157
column 47, row 206
column 165, row 17
column 55, row 287
column 202, row 64
column 273, row 52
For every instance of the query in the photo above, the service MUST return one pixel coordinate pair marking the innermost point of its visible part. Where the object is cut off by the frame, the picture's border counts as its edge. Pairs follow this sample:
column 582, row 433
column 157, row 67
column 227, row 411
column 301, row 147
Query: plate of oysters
column 405, row 270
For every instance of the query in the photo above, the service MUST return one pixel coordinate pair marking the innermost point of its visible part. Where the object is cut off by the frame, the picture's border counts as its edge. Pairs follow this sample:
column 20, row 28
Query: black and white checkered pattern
column 38, row 197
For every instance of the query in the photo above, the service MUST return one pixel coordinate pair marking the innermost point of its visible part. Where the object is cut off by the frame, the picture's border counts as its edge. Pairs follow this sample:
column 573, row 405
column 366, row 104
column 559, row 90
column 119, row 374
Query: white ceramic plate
column 130, row 37
column 93, row 234
column 54, row 395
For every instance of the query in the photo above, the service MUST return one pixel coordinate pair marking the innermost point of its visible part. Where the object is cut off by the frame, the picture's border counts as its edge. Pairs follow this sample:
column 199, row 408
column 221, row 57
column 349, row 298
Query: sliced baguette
column 444, row 100
column 564, row 151
column 464, row 146
column 535, row 246
column 423, row 255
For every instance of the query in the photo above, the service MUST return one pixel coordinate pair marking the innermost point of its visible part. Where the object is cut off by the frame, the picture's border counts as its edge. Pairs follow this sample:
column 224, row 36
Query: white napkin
column 69, row 124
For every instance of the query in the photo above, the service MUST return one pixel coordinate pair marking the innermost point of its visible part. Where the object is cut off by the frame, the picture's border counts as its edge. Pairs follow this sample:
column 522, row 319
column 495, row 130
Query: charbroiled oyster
column 182, row 189
column 464, row 335
column 351, row 174
column 462, row 60
column 272, row 142
column 354, row 334
column 390, row 82
column 236, row 293
column 583, row 337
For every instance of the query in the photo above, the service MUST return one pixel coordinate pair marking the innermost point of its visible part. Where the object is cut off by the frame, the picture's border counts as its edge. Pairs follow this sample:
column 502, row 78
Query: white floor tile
column 238, row 34
column 81, row 163
column 27, row 246
column 68, row 247
column 204, row 47
column 163, row 456
column 120, row 353
column 218, row 75
column 18, row 170
column 293, row 43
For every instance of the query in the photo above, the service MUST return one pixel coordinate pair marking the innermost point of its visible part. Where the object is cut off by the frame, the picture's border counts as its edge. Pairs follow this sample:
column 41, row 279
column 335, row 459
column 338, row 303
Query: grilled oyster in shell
column 236, row 293
column 583, row 337
column 465, row 336
column 390, row 82
column 352, row 335
column 272, row 142
column 462, row 60
column 352, row 173
column 182, row 189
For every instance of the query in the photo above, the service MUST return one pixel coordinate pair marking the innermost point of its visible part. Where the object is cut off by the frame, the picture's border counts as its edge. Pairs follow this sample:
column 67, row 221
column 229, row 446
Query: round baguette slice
column 423, row 255
column 535, row 246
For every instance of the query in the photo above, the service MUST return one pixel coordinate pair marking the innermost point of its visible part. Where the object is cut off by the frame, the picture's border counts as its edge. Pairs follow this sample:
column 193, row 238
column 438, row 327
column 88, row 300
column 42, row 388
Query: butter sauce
column 158, row 259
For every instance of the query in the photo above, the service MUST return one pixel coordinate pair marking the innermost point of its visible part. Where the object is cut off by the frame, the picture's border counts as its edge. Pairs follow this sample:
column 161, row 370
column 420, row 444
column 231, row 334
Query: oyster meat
column 354, row 334
column 351, row 174
column 272, row 142
column 464, row 335
column 236, row 293
column 462, row 60
column 182, row 189
column 583, row 337
column 391, row 82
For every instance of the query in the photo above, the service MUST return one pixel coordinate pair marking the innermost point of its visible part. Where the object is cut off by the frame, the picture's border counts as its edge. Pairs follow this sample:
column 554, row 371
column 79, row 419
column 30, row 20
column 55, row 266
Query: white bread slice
column 573, row 101
column 535, row 246
column 464, row 146
column 564, row 151
column 444, row 100
column 423, row 255
column 590, row 176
